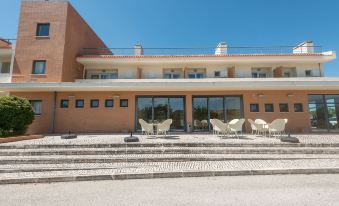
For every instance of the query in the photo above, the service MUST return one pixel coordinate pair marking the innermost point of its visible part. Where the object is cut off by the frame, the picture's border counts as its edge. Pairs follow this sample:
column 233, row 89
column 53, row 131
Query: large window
column 39, row 67
column 5, row 67
column 324, row 112
column 224, row 108
column 158, row 109
column 42, row 30
column 36, row 106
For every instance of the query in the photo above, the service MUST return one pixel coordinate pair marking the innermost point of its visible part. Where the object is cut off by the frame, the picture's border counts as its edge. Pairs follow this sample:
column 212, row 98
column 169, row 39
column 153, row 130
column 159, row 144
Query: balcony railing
column 203, row 50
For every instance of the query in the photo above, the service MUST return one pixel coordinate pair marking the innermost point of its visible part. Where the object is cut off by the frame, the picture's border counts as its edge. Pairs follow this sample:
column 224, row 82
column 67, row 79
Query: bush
column 15, row 115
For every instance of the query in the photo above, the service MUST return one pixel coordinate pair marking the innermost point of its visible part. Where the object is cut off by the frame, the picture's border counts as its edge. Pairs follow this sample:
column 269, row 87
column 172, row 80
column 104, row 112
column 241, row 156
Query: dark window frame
column 269, row 104
column 38, row 30
column 123, row 100
column 257, row 105
column 62, row 105
column 34, row 64
column 301, row 106
column 92, row 103
column 106, row 103
column 286, row 104
column 79, row 100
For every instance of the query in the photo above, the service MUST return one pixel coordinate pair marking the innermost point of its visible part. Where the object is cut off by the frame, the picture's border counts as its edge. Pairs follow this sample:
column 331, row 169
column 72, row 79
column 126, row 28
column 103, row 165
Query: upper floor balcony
column 6, row 59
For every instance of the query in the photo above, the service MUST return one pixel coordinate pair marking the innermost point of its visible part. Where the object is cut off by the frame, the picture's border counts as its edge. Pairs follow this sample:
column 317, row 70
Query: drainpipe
column 53, row 112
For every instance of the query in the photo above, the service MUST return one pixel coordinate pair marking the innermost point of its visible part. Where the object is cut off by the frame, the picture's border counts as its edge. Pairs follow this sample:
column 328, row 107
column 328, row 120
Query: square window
column 308, row 73
column 217, row 74
column 254, row 107
column 94, row 103
column 283, row 107
column 64, row 103
column 269, row 108
column 39, row 67
column 36, row 106
column 298, row 107
column 124, row 103
column 109, row 103
column 42, row 30
column 79, row 103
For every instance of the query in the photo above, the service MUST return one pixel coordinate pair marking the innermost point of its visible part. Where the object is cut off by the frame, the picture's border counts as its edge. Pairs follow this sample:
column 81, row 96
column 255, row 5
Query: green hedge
column 16, row 114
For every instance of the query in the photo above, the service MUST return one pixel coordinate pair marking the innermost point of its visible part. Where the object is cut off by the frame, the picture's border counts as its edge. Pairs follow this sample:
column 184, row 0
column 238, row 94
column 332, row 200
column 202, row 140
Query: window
column 79, row 103
column 298, row 107
column 283, row 107
column 269, row 108
column 287, row 74
column 94, row 103
column 95, row 76
column 64, row 103
column 308, row 73
column 124, row 103
column 254, row 107
column 109, row 103
column 217, row 74
column 42, row 30
column 36, row 106
column 5, row 67
column 171, row 76
column 195, row 75
column 39, row 67
column 109, row 76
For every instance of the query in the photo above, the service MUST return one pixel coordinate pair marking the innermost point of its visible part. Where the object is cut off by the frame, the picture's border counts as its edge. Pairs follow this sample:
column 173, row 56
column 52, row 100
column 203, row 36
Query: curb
column 171, row 175
column 19, row 138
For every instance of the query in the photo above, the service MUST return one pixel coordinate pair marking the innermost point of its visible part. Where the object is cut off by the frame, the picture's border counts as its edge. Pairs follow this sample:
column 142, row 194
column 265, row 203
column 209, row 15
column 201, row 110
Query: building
column 6, row 59
column 76, row 83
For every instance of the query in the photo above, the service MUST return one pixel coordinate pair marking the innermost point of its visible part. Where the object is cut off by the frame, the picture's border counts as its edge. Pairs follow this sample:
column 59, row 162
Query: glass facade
column 158, row 109
column 224, row 108
column 324, row 112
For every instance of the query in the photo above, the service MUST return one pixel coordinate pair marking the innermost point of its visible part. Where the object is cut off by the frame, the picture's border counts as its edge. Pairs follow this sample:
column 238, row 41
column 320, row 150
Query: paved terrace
column 180, row 138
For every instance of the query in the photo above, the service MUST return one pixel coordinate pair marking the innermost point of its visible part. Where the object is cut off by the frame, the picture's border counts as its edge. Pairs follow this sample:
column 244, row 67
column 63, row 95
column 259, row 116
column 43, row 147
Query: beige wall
column 117, row 119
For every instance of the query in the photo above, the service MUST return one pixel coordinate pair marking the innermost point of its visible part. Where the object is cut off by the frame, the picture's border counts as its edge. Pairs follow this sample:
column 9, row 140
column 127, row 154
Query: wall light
column 290, row 95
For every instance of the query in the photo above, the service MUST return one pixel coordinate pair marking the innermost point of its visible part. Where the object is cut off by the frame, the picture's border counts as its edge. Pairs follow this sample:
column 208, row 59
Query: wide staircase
column 84, row 162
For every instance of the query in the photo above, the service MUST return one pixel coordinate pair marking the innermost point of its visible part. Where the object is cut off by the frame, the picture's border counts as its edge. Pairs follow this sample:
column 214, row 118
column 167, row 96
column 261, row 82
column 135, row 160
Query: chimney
column 306, row 47
column 138, row 50
column 221, row 49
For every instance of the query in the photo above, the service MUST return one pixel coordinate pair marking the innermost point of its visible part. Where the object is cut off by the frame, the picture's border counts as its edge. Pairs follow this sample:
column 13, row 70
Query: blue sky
column 203, row 23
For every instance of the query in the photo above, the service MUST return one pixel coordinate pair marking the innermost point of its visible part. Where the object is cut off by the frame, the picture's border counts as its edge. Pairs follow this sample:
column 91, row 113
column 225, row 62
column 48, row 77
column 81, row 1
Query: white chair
column 146, row 128
column 277, row 127
column 254, row 126
column 236, row 127
column 261, row 126
column 216, row 129
column 222, row 127
column 164, row 127
column 233, row 121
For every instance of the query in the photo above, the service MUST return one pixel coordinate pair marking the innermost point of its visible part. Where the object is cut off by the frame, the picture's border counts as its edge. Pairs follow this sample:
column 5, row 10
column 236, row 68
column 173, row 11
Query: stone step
column 85, row 172
column 141, row 145
column 8, row 161
column 168, row 150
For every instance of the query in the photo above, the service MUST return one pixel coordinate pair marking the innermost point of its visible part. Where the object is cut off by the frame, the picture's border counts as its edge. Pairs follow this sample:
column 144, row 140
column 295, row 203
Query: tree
column 16, row 114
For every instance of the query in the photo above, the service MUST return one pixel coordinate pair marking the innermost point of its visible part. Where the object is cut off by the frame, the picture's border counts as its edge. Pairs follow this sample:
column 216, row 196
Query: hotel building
column 76, row 83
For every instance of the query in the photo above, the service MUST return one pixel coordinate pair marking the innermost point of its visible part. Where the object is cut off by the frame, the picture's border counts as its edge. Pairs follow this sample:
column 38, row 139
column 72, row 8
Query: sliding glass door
column 158, row 109
column 224, row 108
column 324, row 112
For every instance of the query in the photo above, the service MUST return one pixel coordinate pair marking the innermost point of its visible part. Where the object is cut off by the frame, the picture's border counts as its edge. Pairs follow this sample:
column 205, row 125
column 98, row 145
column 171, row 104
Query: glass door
column 158, row 109
column 200, row 114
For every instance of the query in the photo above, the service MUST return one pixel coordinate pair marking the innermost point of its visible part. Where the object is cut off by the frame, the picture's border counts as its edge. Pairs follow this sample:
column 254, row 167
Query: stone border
column 170, row 175
column 20, row 138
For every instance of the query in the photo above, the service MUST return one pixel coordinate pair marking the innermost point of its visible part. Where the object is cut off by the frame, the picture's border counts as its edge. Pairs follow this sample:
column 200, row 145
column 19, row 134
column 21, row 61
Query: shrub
column 15, row 115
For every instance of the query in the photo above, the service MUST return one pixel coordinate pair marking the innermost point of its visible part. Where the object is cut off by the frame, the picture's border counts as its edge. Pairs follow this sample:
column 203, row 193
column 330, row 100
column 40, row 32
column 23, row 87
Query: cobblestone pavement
column 180, row 138
column 156, row 167
column 277, row 190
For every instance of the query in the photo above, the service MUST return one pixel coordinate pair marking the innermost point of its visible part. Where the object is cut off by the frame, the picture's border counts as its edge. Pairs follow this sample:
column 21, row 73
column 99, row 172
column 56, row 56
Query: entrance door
column 224, row 108
column 158, row 109
column 324, row 112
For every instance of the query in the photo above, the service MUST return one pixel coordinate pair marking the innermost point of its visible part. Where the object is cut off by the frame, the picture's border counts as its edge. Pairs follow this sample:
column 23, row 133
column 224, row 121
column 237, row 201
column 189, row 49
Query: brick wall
column 69, row 33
